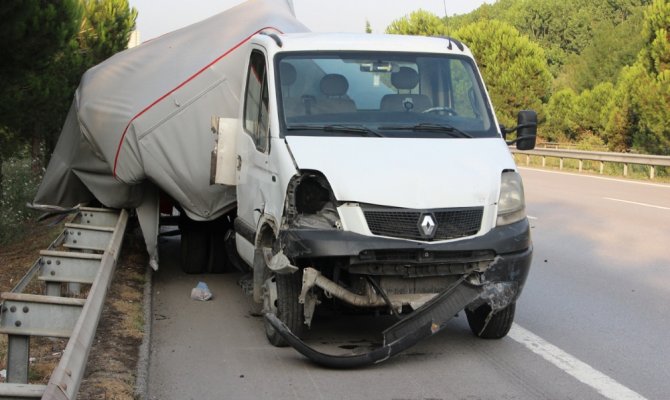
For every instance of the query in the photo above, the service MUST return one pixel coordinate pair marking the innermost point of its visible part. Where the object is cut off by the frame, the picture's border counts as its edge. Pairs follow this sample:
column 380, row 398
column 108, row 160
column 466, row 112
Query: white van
column 371, row 172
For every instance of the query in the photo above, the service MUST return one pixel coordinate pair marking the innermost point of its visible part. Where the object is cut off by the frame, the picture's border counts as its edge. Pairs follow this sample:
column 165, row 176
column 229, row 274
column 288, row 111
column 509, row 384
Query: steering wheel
column 447, row 110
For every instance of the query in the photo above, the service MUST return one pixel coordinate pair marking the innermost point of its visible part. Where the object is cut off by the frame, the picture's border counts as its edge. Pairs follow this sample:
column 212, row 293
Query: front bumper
column 510, row 249
column 299, row 243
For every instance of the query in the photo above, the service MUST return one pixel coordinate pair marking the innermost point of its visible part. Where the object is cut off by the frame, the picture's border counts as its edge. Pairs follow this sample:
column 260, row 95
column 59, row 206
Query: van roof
column 368, row 42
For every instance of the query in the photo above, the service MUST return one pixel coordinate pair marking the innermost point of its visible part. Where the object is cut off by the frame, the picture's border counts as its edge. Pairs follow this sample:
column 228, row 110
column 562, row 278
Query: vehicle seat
column 335, row 100
column 293, row 106
column 405, row 79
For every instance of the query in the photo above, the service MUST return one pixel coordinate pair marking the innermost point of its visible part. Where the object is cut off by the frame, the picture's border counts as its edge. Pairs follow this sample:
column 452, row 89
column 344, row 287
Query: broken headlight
column 511, row 204
column 311, row 203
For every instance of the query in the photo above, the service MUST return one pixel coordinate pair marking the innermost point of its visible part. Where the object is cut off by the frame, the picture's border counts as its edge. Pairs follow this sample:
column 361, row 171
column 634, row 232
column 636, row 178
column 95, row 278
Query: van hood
column 416, row 173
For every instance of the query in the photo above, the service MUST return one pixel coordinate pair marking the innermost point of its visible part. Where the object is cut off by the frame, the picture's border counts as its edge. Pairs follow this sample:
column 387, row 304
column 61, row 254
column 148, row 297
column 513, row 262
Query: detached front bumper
column 498, row 284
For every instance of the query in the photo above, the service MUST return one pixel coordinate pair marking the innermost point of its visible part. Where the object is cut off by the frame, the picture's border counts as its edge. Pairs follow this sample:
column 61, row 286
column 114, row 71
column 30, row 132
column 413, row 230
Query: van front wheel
column 280, row 296
column 498, row 324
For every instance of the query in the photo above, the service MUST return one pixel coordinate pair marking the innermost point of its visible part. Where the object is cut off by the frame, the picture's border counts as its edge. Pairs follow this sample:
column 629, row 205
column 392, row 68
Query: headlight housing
column 512, row 203
column 310, row 202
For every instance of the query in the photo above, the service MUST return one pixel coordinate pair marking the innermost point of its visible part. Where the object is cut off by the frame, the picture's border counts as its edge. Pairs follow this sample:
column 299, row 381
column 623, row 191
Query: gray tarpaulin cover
column 141, row 119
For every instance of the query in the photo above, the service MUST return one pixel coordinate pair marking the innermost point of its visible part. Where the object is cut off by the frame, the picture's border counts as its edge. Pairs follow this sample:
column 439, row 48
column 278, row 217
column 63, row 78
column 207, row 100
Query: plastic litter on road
column 201, row 292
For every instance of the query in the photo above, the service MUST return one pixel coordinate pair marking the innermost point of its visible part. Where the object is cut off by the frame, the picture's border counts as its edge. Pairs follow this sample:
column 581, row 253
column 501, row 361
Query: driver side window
column 256, row 116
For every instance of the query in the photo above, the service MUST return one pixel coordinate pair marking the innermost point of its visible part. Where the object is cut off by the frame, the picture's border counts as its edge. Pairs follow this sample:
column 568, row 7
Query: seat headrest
column 334, row 85
column 406, row 78
column 287, row 73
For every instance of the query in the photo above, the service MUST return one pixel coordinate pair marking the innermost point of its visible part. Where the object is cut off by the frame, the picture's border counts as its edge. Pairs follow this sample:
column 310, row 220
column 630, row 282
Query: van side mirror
column 526, row 130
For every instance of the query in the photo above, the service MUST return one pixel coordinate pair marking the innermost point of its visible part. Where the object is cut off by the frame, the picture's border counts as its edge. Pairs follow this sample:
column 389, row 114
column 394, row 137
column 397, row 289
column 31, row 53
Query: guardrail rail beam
column 23, row 316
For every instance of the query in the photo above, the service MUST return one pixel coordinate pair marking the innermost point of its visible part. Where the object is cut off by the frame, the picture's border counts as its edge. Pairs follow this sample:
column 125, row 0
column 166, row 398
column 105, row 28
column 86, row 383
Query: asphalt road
column 592, row 323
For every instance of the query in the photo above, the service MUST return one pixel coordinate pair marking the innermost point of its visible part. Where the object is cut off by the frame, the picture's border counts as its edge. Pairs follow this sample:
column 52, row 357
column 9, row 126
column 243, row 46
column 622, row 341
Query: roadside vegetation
column 46, row 46
column 18, row 188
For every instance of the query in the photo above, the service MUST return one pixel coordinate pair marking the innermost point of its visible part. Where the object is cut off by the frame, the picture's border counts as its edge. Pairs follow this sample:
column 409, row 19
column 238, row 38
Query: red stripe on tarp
column 123, row 137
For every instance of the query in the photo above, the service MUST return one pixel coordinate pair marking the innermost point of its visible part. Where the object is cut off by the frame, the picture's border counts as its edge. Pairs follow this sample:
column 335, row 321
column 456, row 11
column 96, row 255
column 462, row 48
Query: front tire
column 280, row 296
column 498, row 325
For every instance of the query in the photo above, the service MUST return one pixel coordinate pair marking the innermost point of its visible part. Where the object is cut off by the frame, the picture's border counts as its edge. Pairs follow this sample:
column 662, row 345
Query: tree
column 563, row 28
column 612, row 47
column 514, row 68
column 368, row 28
column 640, row 109
column 622, row 113
column 32, row 32
column 652, row 95
column 39, row 97
column 561, row 124
column 655, row 56
column 590, row 110
column 419, row 22
column 106, row 29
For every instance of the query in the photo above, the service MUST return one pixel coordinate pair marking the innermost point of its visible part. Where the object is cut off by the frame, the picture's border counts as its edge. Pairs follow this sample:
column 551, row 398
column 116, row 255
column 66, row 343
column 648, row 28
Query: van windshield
column 381, row 95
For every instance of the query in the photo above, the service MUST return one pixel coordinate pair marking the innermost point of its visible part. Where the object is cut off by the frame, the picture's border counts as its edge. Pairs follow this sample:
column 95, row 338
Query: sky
column 158, row 17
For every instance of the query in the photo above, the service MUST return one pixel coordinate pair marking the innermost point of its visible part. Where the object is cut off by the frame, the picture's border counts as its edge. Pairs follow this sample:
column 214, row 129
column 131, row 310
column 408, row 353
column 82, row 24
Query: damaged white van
column 356, row 171
column 371, row 171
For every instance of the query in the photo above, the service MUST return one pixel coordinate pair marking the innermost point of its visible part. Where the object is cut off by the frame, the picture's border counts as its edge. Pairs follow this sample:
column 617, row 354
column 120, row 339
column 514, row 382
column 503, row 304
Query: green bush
column 19, row 185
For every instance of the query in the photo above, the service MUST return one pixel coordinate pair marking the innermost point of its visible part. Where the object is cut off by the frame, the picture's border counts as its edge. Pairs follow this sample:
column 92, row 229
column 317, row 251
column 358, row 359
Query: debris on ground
column 201, row 292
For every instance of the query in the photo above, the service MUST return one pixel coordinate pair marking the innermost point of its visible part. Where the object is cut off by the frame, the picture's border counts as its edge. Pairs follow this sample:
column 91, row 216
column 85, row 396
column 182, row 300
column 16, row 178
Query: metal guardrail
column 566, row 146
column 603, row 157
column 93, row 245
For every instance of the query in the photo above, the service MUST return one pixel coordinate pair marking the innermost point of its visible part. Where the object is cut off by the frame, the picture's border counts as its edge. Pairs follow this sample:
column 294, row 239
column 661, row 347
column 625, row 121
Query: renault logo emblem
column 427, row 225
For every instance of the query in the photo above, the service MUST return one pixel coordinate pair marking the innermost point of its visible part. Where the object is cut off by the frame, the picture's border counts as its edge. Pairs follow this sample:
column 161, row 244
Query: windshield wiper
column 359, row 129
column 428, row 127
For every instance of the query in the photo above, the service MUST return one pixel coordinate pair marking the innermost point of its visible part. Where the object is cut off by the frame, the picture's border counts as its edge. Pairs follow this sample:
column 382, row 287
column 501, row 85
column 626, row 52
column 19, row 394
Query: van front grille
column 403, row 223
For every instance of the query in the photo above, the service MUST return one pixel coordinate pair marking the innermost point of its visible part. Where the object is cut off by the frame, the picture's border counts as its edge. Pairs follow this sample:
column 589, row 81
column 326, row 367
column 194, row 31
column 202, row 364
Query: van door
column 253, row 148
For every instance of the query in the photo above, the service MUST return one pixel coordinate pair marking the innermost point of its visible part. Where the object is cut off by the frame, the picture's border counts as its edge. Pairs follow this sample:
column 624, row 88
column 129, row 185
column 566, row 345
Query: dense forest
column 596, row 71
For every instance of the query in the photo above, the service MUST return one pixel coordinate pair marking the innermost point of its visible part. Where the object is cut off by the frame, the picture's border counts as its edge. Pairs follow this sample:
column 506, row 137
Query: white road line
column 583, row 372
column 661, row 185
column 636, row 203
column 531, row 217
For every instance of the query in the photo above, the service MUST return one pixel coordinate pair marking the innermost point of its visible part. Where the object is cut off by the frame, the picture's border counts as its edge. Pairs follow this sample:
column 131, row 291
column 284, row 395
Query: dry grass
column 111, row 368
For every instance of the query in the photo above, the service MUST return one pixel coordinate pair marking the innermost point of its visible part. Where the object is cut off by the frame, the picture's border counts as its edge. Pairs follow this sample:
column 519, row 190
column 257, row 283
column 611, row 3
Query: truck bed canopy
column 140, row 121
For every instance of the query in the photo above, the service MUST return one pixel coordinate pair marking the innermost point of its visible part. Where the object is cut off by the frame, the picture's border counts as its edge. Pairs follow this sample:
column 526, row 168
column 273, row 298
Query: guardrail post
column 652, row 172
column 527, row 160
column 602, row 167
column 544, row 161
column 581, row 163
column 53, row 289
column 18, row 358
column 560, row 165
column 74, row 288
column 625, row 169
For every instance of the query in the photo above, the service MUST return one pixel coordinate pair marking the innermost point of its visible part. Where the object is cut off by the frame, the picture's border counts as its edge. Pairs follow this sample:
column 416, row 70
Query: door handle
column 239, row 162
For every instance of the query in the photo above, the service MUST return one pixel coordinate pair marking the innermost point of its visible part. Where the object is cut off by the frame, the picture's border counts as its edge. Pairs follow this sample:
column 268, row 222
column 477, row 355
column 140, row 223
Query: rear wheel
column 498, row 324
column 280, row 296
column 203, row 248
column 194, row 251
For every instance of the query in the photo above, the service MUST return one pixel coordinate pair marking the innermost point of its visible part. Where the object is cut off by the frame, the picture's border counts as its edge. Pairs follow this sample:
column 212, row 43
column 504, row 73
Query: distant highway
column 592, row 323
